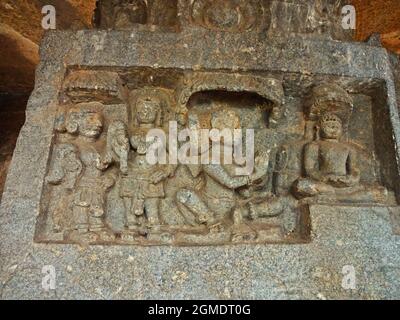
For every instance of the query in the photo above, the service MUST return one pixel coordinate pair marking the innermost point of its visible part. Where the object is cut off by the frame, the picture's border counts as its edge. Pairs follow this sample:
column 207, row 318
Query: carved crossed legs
column 309, row 188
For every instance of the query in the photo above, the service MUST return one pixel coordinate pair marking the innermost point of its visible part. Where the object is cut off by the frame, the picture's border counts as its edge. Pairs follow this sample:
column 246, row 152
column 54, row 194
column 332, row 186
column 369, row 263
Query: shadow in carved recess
column 313, row 148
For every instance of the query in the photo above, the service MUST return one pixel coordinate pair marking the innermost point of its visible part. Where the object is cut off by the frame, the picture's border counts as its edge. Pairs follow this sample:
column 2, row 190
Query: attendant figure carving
column 141, row 183
column 89, row 198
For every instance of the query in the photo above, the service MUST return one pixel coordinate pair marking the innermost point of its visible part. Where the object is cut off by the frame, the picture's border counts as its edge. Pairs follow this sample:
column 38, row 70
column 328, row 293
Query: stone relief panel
column 309, row 147
column 231, row 16
column 274, row 18
column 320, row 19
column 127, row 14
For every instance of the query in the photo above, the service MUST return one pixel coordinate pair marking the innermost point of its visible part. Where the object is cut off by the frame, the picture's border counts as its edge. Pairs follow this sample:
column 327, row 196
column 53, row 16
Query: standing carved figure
column 89, row 198
column 141, row 183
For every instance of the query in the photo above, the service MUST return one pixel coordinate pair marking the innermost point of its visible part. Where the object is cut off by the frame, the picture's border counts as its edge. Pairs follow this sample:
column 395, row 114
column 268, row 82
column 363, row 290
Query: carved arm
column 218, row 173
column 353, row 177
column 311, row 165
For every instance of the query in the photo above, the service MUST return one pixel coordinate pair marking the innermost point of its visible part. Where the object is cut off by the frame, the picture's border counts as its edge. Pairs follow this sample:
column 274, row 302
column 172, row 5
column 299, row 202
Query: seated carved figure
column 331, row 170
column 217, row 198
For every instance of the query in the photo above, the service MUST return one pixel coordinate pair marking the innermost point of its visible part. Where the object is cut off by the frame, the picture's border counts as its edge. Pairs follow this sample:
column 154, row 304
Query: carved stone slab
column 323, row 195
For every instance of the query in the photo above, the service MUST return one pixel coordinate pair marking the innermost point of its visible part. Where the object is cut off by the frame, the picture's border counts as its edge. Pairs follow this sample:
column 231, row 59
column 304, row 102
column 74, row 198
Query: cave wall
column 21, row 32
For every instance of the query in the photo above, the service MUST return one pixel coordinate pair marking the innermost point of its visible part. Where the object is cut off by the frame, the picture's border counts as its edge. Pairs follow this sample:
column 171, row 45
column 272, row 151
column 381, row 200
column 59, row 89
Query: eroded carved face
column 147, row 110
column 91, row 125
column 225, row 119
column 85, row 123
column 331, row 129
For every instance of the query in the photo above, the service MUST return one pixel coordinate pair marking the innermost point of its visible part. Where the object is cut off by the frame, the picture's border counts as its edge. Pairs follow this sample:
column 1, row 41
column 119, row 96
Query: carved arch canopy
column 268, row 88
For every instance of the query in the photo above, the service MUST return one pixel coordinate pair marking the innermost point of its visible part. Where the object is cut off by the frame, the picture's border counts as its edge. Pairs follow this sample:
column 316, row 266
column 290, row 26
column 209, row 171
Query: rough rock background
column 21, row 32
column 377, row 16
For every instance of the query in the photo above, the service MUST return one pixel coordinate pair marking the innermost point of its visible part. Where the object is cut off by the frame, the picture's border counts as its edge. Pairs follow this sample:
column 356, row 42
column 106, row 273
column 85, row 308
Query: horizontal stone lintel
column 218, row 51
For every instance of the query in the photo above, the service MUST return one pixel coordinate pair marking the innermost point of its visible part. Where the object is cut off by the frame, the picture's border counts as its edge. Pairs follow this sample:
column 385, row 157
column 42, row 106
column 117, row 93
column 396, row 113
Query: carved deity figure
column 230, row 16
column 217, row 198
column 331, row 168
column 323, row 17
column 89, row 197
column 141, row 183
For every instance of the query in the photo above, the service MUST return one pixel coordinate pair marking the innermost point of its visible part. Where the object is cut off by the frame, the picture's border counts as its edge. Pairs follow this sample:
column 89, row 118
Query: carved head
column 146, row 107
column 224, row 14
column 330, row 126
column 85, row 119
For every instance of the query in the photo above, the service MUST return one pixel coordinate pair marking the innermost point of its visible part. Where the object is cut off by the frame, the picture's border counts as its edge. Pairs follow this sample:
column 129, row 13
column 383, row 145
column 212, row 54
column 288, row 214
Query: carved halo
column 330, row 98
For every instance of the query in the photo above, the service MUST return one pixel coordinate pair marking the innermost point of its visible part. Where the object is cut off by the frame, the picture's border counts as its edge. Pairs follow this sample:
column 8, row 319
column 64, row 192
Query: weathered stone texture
column 322, row 198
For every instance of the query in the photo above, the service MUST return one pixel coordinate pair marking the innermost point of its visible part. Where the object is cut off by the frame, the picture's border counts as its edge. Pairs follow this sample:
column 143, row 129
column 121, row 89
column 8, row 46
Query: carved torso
column 333, row 157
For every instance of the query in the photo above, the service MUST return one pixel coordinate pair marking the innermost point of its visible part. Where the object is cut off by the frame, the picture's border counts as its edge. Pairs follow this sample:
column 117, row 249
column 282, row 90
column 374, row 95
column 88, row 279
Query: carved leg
column 138, row 207
column 81, row 219
column 131, row 220
column 241, row 231
column 271, row 207
column 96, row 222
column 124, row 162
column 152, row 211
column 196, row 205
column 237, row 216
column 362, row 195
column 306, row 188
column 57, row 217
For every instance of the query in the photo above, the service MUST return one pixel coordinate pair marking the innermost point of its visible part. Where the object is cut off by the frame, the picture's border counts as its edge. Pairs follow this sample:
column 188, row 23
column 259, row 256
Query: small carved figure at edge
column 89, row 199
column 331, row 168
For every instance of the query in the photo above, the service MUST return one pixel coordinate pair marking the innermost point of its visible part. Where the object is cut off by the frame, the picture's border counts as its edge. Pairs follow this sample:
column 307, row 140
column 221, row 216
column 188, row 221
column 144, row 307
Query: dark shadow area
column 12, row 117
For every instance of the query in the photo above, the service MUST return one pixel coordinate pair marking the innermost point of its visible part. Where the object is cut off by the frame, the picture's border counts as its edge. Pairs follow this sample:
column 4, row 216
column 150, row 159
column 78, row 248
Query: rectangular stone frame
column 172, row 272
